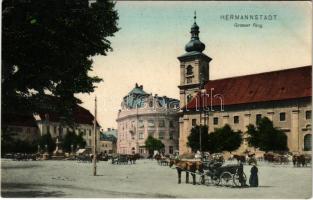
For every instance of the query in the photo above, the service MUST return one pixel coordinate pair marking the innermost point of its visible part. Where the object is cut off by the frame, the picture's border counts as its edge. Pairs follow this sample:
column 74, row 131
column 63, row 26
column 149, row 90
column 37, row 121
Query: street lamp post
column 94, row 152
column 201, row 88
column 200, row 132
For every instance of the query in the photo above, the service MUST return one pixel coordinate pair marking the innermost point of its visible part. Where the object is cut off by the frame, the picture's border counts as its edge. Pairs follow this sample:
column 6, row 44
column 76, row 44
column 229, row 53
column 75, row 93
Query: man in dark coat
column 242, row 179
column 254, row 180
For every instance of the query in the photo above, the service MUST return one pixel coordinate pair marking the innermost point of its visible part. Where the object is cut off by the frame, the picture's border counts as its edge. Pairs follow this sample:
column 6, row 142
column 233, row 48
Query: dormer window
column 189, row 70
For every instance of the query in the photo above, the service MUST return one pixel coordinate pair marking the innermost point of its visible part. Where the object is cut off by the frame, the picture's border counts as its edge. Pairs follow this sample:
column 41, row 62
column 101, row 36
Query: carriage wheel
column 215, row 180
column 226, row 179
column 201, row 179
column 236, row 179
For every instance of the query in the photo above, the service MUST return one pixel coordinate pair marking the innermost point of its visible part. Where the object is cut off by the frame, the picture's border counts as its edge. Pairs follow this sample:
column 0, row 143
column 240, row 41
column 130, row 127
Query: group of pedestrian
column 253, row 180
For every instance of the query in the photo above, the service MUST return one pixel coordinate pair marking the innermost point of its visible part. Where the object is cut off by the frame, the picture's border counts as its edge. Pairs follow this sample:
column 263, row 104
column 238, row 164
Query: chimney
column 141, row 87
column 109, row 129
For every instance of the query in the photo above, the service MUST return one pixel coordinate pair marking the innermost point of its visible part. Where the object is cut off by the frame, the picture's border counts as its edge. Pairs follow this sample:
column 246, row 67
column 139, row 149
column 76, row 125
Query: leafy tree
column 72, row 139
column 11, row 144
column 266, row 137
column 153, row 144
column 46, row 139
column 253, row 139
column 7, row 141
column 47, row 49
column 224, row 139
column 194, row 138
column 80, row 141
column 22, row 146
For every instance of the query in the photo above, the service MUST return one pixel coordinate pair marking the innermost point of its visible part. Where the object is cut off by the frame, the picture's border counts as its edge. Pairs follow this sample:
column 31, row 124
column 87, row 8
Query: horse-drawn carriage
column 85, row 158
column 125, row 159
column 277, row 158
column 227, row 175
column 301, row 160
column 211, row 172
column 25, row 157
column 120, row 159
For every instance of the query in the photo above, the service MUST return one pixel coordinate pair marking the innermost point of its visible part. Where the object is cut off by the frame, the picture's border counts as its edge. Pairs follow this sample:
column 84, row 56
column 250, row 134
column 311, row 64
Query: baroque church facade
column 283, row 96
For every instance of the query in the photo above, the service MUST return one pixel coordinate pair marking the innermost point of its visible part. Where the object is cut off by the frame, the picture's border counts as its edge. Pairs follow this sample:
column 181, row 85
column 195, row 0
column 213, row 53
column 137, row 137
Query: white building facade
column 84, row 124
column 143, row 114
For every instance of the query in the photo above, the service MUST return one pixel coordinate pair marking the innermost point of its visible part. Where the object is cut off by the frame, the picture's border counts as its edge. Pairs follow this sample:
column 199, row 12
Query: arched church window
column 189, row 70
column 308, row 142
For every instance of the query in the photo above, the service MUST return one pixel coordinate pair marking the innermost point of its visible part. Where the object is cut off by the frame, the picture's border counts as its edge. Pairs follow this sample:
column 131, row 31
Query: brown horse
column 188, row 166
column 132, row 158
column 158, row 157
column 301, row 159
column 240, row 158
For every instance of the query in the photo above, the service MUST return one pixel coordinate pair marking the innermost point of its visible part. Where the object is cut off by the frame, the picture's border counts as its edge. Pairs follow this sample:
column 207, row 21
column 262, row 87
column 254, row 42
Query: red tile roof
column 270, row 86
column 17, row 119
column 81, row 116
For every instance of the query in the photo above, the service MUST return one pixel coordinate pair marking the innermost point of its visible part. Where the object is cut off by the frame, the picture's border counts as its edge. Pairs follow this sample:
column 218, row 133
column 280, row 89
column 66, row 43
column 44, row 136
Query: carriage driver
column 242, row 180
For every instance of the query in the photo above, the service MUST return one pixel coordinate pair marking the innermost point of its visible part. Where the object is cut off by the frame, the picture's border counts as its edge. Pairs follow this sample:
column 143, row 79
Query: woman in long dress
column 254, row 180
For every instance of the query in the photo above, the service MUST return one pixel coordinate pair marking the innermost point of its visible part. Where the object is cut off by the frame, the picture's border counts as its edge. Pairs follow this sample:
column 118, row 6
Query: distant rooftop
column 110, row 131
column 137, row 90
column 109, row 135
column 137, row 97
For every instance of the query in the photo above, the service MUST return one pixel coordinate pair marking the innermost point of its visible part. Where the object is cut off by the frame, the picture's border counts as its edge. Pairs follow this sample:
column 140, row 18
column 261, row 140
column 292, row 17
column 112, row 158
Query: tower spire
column 194, row 44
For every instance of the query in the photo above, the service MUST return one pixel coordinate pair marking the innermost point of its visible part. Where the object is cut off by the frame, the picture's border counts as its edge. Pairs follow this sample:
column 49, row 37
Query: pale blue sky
column 153, row 35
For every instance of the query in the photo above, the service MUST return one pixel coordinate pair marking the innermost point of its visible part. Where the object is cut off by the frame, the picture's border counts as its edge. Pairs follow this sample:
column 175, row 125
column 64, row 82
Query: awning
column 80, row 151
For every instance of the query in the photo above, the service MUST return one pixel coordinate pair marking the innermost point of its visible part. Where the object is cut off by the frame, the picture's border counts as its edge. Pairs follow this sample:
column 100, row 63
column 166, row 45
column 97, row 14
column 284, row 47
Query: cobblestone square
column 145, row 179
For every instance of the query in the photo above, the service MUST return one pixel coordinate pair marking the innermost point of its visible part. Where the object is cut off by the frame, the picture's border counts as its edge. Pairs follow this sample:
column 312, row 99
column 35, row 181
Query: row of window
column 282, row 118
column 143, row 150
column 60, row 130
column 151, row 123
column 161, row 135
column 104, row 145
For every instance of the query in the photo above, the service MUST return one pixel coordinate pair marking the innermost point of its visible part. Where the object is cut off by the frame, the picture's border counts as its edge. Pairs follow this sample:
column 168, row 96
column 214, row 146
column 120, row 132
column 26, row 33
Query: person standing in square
column 254, row 180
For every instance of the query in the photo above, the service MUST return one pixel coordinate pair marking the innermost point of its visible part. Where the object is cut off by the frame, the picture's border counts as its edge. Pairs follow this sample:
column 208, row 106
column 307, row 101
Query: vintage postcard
column 156, row 99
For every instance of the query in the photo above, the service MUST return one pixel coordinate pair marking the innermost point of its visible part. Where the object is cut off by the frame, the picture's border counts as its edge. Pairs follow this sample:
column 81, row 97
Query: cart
column 230, row 175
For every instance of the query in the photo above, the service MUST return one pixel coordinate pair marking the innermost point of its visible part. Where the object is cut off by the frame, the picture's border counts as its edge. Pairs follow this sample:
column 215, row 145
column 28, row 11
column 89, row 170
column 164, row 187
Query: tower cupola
column 195, row 44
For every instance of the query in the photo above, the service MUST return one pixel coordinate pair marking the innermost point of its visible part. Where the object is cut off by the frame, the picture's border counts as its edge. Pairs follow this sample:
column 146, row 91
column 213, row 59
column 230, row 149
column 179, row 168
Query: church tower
column 194, row 67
